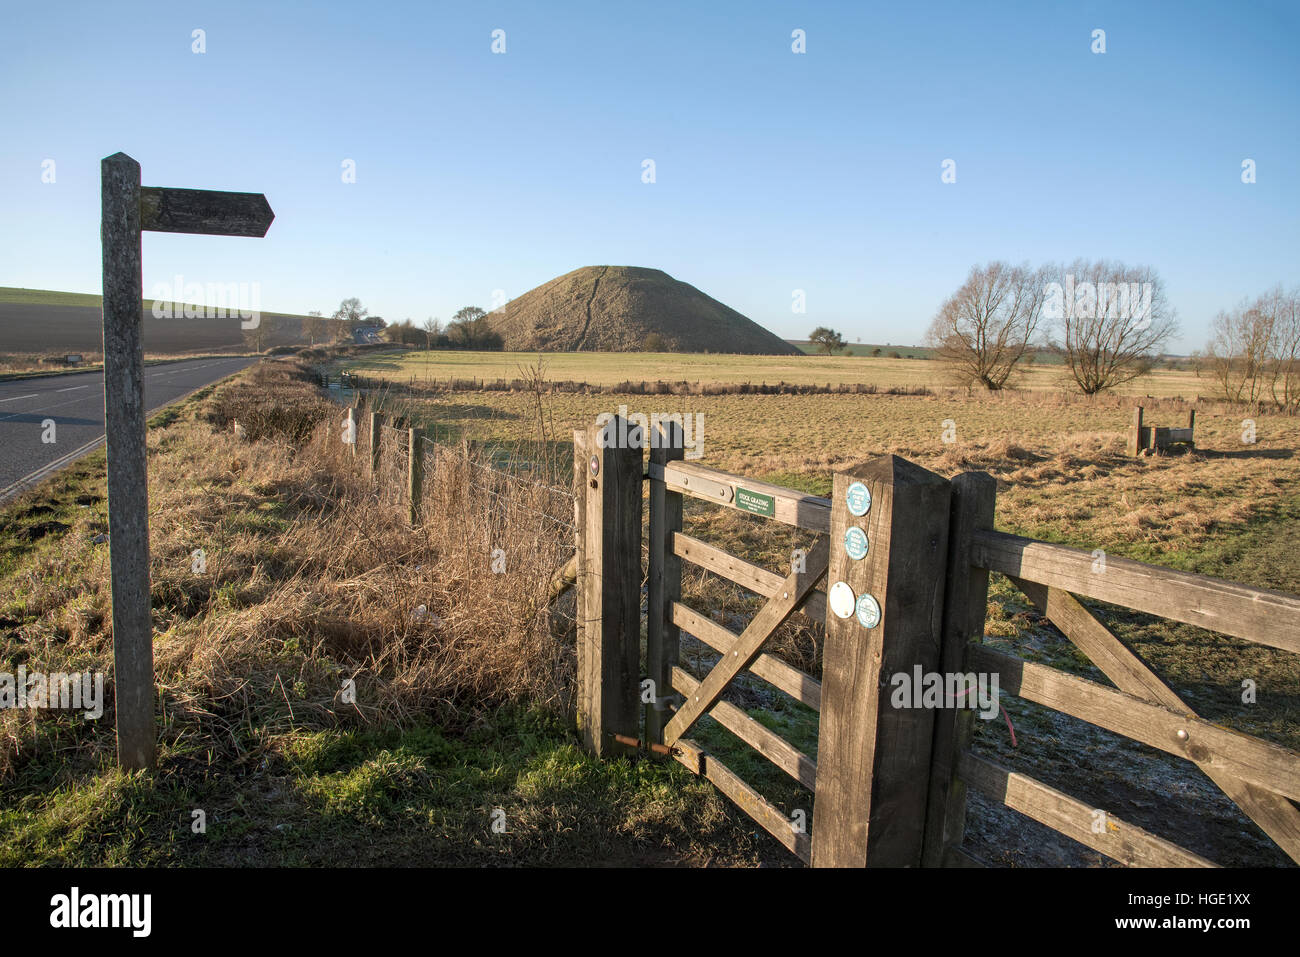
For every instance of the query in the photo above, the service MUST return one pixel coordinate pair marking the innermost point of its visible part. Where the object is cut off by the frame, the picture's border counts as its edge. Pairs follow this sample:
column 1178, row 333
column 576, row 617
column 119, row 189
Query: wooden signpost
column 129, row 208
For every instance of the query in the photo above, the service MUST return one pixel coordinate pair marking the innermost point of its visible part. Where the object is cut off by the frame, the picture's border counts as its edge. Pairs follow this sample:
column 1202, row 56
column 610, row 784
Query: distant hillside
column 45, row 321
column 627, row 309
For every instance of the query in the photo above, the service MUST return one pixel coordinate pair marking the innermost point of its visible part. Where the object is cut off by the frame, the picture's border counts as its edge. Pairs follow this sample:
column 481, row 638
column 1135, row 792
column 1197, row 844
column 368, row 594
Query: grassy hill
column 627, row 309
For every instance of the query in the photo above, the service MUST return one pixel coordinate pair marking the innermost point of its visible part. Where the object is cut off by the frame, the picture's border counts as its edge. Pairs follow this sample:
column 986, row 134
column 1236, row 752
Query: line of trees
column 1108, row 322
column 1254, row 349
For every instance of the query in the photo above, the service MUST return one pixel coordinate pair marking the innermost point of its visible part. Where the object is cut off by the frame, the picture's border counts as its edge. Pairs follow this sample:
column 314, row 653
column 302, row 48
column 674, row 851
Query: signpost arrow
column 204, row 211
column 128, row 208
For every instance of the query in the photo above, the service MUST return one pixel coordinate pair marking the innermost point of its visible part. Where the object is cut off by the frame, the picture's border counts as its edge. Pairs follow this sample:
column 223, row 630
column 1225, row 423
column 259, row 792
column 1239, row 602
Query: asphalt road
column 76, row 404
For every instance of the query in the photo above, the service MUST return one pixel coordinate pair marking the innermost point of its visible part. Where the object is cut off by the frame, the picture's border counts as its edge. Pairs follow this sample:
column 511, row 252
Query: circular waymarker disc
column 858, row 498
column 868, row 611
column 841, row 599
column 595, row 464
column 855, row 543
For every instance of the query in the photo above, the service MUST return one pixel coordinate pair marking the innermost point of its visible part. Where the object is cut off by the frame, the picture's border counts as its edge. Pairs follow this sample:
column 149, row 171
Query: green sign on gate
column 755, row 502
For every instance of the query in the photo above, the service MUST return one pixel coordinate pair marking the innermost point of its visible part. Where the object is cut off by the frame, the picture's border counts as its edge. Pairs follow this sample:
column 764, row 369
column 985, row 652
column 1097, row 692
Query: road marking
column 73, row 388
column 17, row 397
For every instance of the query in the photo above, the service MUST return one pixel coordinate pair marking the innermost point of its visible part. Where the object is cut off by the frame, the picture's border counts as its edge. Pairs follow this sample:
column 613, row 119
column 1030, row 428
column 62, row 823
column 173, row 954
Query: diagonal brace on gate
column 796, row 587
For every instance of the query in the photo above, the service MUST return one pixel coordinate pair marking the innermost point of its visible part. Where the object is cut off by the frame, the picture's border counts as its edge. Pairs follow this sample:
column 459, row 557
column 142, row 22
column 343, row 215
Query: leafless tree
column 1254, row 349
column 990, row 324
column 432, row 330
column 1113, row 320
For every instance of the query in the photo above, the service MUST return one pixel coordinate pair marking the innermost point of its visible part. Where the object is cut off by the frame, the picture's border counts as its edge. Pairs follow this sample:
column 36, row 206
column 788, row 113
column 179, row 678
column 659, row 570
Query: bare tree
column 432, row 330
column 1113, row 319
column 990, row 324
column 1254, row 349
column 1238, row 351
column 314, row 326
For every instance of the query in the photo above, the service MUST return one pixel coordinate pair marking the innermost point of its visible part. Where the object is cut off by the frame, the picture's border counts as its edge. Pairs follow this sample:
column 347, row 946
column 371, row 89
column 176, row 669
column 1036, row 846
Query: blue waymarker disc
column 855, row 543
column 859, row 499
column 868, row 611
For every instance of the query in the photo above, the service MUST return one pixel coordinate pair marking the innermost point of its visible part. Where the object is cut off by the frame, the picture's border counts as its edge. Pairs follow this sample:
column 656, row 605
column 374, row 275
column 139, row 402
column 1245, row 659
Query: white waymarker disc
column 842, row 599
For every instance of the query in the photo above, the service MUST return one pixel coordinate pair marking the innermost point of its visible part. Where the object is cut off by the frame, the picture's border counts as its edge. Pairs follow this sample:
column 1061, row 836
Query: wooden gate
column 899, row 575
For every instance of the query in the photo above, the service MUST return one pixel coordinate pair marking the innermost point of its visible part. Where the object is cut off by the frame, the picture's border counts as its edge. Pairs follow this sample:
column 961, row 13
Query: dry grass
column 312, row 577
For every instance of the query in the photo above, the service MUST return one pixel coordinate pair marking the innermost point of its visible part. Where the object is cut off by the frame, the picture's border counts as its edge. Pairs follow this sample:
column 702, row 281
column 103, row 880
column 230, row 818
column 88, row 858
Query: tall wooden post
column 665, row 579
column 884, row 615
column 128, row 484
column 965, row 606
column 609, row 626
column 376, row 423
column 414, row 472
column 352, row 428
column 1135, row 433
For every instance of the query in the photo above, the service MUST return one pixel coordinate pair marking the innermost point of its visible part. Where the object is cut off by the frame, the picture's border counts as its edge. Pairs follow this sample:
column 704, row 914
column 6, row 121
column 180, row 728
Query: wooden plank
column 873, row 759
column 745, row 797
column 206, row 211
column 1257, row 614
column 746, row 647
column 376, row 440
column 610, row 629
column 965, row 605
column 789, row 506
column 414, row 474
column 664, row 586
column 1135, row 432
column 785, row 677
column 128, row 478
column 1269, row 766
column 1122, row 842
column 756, row 578
column 1275, row 815
column 766, row 742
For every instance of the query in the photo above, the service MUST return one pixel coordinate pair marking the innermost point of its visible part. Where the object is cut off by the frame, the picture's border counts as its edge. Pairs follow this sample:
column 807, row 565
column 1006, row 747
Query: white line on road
column 17, row 397
column 73, row 388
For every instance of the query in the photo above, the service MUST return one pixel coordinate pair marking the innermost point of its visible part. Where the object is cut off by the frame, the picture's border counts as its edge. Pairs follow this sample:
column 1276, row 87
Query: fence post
column 609, row 578
column 665, row 573
column 128, row 484
column 965, row 606
column 352, row 429
column 414, row 472
column 376, row 422
column 1135, row 433
column 884, row 614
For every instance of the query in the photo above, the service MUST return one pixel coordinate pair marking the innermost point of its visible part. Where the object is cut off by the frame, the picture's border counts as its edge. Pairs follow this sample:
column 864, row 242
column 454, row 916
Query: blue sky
column 775, row 171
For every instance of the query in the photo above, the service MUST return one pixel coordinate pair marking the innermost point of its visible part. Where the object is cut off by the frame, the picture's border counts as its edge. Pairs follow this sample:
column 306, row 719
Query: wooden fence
column 1149, row 439
column 899, row 576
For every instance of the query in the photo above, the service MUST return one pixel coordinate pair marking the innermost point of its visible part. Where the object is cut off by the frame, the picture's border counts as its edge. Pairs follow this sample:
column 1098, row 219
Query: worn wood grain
column 766, row 742
column 691, row 754
column 746, row 574
column 965, row 606
column 873, row 760
column 1257, row 614
column 790, row 506
column 128, row 480
column 1268, row 766
column 749, row 643
column 1118, row 840
column 1275, row 815
column 164, row 209
column 798, row 685
column 664, row 586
